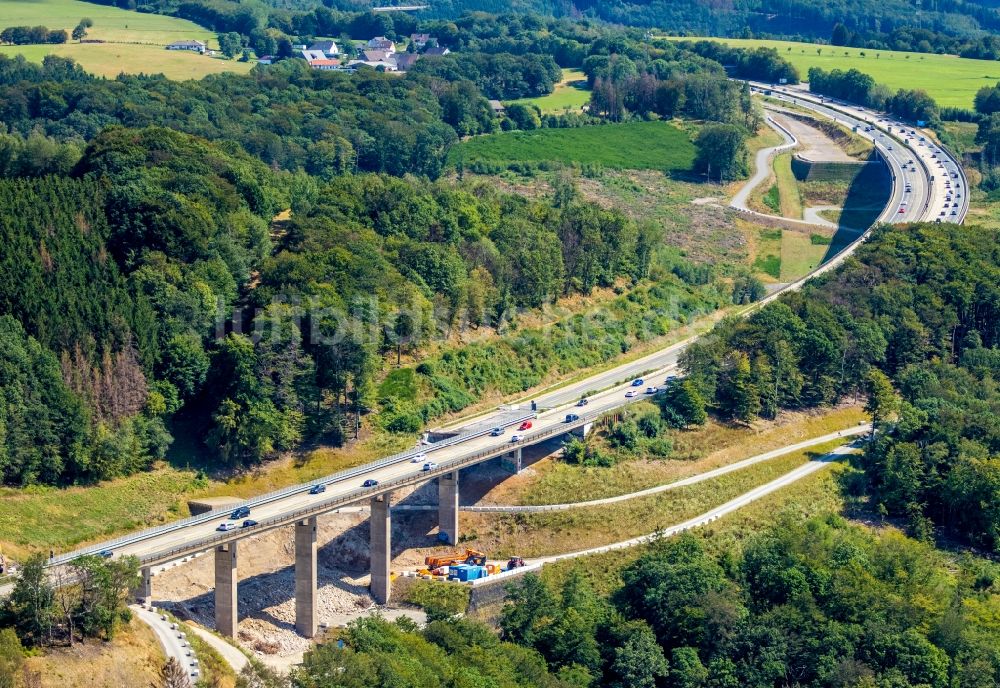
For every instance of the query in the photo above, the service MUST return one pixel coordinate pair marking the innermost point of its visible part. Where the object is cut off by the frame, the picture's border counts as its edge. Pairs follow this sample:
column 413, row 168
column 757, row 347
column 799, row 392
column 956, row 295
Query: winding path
column 763, row 167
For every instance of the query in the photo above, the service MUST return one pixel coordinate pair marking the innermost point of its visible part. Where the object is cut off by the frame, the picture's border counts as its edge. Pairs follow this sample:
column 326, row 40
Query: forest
column 814, row 603
column 911, row 323
column 148, row 286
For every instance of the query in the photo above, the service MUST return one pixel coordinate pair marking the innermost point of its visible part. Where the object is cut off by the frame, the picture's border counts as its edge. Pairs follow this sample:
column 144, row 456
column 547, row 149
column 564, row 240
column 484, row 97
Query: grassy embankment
column 132, row 41
column 571, row 93
column 814, row 494
column 532, row 535
column 132, row 658
column 952, row 81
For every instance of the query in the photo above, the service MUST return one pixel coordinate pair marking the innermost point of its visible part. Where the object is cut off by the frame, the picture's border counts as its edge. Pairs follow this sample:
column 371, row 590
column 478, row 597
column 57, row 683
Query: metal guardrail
column 279, row 494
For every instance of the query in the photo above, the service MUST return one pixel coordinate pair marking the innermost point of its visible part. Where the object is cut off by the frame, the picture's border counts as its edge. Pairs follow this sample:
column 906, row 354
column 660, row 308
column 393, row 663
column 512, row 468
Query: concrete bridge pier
column 448, row 507
column 512, row 461
column 583, row 430
column 143, row 593
column 305, row 577
column 380, row 524
column 226, row 611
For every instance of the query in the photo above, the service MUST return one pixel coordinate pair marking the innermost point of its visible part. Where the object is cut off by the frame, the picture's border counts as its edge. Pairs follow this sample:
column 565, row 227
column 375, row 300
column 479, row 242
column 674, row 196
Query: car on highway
column 652, row 390
column 371, row 482
column 526, row 425
column 105, row 554
column 240, row 512
column 249, row 523
column 954, row 212
column 942, row 212
column 225, row 527
column 430, row 466
column 954, row 205
column 631, row 393
column 317, row 489
column 670, row 378
column 496, row 432
column 418, row 458
column 516, row 438
column 902, row 210
column 638, row 382
column 583, row 402
column 572, row 417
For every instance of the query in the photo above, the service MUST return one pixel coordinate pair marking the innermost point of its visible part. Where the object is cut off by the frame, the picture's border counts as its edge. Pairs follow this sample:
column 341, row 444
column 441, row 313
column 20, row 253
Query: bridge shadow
column 867, row 195
column 346, row 556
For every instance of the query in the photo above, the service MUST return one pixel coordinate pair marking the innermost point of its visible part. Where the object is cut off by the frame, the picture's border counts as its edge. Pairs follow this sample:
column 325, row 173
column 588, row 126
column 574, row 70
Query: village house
column 377, row 55
column 194, row 46
column 310, row 55
column 325, row 64
column 419, row 40
column 384, row 65
column 437, row 50
column 405, row 60
column 381, row 43
column 328, row 48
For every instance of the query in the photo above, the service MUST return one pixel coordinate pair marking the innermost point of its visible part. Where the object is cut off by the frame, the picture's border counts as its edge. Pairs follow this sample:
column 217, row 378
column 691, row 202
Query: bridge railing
column 281, row 493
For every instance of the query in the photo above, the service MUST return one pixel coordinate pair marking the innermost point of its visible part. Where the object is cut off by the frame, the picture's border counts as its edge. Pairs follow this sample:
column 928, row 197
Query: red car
column 526, row 425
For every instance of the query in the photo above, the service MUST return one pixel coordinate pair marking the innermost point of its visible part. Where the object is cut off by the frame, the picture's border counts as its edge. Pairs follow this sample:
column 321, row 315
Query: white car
column 516, row 438
column 652, row 390
column 418, row 458
column 631, row 393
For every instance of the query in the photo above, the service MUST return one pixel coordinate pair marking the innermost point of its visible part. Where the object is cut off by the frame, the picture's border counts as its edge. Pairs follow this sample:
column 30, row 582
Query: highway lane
column 158, row 547
column 918, row 144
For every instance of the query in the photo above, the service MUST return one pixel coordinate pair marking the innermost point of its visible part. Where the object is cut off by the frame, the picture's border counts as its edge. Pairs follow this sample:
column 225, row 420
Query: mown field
column 571, row 93
column 110, row 23
column 951, row 80
column 133, row 40
column 635, row 145
column 112, row 59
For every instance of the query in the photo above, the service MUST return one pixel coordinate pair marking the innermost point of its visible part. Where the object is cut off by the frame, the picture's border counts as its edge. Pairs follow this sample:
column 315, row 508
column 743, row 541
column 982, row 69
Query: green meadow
column 635, row 145
column 571, row 93
column 952, row 81
column 132, row 42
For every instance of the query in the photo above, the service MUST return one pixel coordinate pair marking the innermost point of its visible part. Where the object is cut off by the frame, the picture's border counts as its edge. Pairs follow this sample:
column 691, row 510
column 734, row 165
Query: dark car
column 496, row 432
column 582, row 402
column 638, row 382
column 317, row 489
column 370, row 483
column 571, row 417
column 105, row 553
column 241, row 512
column 249, row 523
